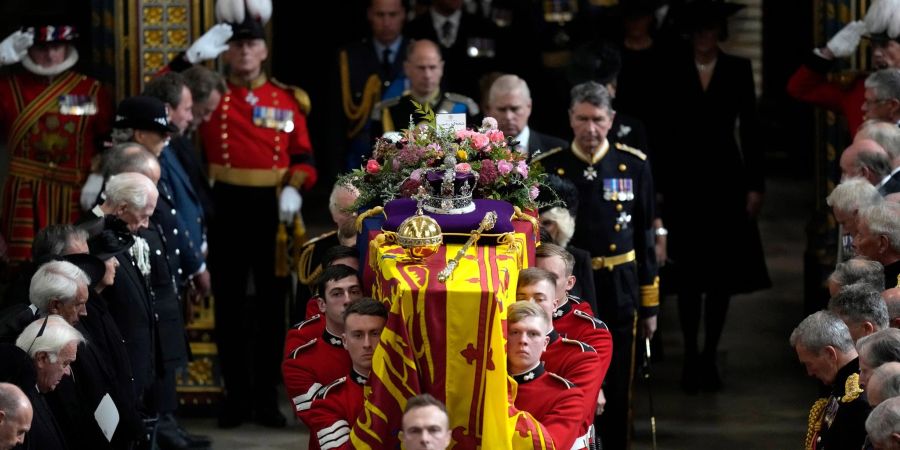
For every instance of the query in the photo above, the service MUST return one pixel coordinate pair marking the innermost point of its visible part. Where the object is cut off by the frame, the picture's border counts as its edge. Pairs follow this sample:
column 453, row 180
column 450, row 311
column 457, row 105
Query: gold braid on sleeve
column 357, row 115
column 815, row 423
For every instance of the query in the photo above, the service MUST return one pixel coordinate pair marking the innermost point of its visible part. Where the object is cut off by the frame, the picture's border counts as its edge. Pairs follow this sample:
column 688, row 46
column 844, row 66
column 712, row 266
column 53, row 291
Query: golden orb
column 420, row 236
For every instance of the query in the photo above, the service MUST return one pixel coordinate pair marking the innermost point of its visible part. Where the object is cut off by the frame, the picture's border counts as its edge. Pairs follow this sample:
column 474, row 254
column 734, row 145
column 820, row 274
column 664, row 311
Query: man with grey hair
column 845, row 200
column 823, row 344
column 878, row 238
column 882, row 97
column 52, row 345
column 884, row 383
column 856, row 270
column 130, row 196
column 860, row 307
column 619, row 236
column 878, row 348
column 130, row 157
column 60, row 287
column 865, row 158
column 15, row 416
column 887, row 135
column 892, row 299
column 509, row 101
column 883, row 425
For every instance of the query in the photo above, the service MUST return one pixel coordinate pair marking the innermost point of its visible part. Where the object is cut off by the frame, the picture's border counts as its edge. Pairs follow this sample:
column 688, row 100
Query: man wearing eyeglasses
column 882, row 96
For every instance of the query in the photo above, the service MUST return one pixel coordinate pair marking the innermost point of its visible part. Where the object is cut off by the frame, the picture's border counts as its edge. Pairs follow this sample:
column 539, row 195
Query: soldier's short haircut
column 365, row 306
column 822, row 329
column 55, row 240
column 880, row 347
column 885, row 84
column 853, row 194
column 549, row 250
column 884, row 421
column 508, row 84
column 886, row 134
column 593, row 93
column 338, row 252
column 858, row 303
column 55, row 280
column 859, row 270
column 57, row 334
column 166, row 87
column 128, row 157
column 334, row 273
column 130, row 188
column 520, row 311
column 534, row 275
column 202, row 81
column 422, row 401
column 883, row 219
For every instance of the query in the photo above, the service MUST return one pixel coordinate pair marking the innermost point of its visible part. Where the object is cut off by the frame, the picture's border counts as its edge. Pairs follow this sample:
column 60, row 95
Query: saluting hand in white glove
column 210, row 45
column 844, row 42
column 90, row 191
column 14, row 47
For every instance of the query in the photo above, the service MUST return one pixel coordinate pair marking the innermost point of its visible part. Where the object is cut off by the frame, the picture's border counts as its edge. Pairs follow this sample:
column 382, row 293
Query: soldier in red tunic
column 53, row 119
column 338, row 404
column 553, row 400
column 260, row 159
column 314, row 349
column 574, row 360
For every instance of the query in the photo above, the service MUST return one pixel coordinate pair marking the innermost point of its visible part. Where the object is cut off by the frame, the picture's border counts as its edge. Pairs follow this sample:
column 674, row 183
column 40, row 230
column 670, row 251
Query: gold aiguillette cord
column 486, row 224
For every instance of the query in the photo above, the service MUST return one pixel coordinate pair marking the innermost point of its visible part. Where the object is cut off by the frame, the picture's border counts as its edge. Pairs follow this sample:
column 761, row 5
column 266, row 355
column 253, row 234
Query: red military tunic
column 52, row 127
column 812, row 86
column 575, row 320
column 577, row 362
column 553, row 401
column 313, row 358
column 258, row 137
column 336, row 408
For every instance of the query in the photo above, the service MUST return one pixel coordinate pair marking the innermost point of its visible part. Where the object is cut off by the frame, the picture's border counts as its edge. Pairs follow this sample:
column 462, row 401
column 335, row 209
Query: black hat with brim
column 113, row 239
column 142, row 112
column 52, row 26
column 92, row 266
column 250, row 28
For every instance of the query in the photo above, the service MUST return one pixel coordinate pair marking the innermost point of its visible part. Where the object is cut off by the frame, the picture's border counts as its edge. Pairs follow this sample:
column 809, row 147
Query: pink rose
column 504, row 167
column 479, row 141
column 522, row 169
column 496, row 136
column 373, row 167
column 463, row 168
column 463, row 134
column 533, row 192
column 416, row 175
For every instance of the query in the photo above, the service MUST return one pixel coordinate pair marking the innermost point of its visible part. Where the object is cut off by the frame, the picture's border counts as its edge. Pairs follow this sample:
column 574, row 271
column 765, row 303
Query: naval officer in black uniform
column 615, row 185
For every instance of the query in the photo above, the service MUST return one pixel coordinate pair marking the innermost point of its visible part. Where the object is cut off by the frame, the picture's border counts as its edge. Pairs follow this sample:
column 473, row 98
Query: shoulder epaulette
column 303, row 347
column 306, row 322
column 459, row 98
column 382, row 105
column 542, row 155
column 300, row 95
column 569, row 384
column 598, row 324
column 323, row 392
column 632, row 150
column 585, row 347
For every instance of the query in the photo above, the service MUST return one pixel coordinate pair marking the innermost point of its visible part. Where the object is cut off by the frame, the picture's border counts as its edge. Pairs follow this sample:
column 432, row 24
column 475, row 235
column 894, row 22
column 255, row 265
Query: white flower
column 488, row 123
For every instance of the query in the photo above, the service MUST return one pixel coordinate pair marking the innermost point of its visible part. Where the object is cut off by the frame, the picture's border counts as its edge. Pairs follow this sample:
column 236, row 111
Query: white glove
column 209, row 45
column 14, row 47
column 844, row 43
column 90, row 191
column 289, row 204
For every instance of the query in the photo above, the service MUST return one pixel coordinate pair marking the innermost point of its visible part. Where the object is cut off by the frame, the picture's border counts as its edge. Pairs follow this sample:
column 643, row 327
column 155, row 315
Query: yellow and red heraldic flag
column 447, row 339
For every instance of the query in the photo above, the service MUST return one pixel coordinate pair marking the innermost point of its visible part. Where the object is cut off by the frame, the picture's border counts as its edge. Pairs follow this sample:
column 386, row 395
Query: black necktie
column 446, row 29
column 386, row 63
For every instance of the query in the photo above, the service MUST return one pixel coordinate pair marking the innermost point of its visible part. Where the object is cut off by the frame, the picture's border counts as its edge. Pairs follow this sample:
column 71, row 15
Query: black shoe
column 270, row 418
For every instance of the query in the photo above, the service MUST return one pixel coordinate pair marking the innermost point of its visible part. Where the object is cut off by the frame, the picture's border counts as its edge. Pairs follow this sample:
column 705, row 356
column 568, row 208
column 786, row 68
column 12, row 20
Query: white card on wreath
column 455, row 122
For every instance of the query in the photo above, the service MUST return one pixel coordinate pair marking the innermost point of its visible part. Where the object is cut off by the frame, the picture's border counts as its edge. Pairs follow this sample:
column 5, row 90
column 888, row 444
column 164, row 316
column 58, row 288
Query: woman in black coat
column 712, row 186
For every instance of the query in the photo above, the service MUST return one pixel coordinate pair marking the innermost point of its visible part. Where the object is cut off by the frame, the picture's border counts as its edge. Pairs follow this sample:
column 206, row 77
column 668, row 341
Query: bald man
column 865, row 158
column 15, row 416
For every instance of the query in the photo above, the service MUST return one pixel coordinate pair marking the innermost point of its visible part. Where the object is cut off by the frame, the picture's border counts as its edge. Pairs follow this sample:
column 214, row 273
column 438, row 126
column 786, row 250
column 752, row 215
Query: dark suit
column 462, row 71
column 18, row 369
column 179, row 218
column 892, row 186
column 543, row 142
column 195, row 168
